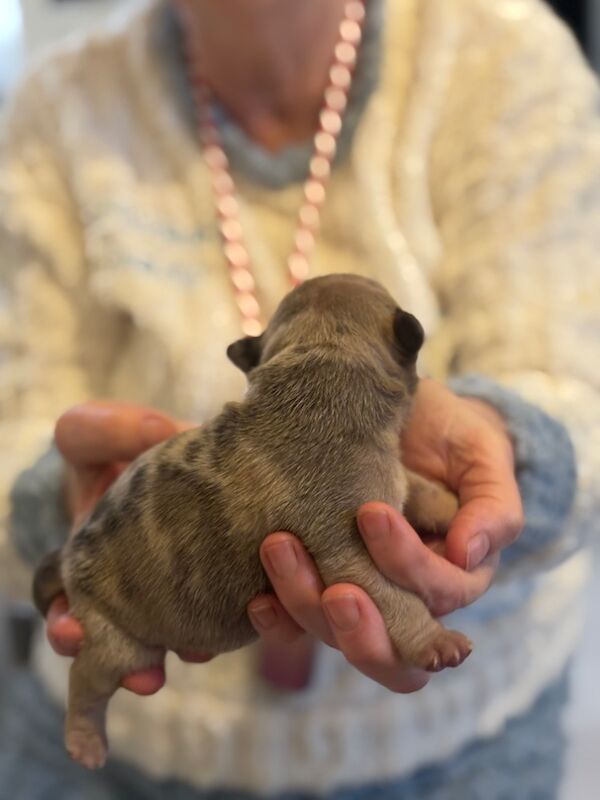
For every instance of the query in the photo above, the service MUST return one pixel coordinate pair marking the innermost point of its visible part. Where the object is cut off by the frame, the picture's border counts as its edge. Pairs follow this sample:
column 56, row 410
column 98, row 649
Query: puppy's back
column 159, row 549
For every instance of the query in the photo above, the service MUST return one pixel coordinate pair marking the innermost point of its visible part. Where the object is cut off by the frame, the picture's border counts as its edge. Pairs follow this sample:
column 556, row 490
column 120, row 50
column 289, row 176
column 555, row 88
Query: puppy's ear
column 409, row 335
column 246, row 352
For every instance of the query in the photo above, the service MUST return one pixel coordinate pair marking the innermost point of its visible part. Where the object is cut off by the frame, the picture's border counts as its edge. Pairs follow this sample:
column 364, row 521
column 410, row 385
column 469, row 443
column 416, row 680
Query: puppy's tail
column 47, row 581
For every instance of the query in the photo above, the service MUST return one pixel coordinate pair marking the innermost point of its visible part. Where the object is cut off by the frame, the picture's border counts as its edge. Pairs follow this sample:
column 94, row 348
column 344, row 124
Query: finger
column 482, row 528
column 145, row 682
column 297, row 583
column 400, row 555
column 192, row 657
column 64, row 632
column 92, row 434
column 491, row 515
column 272, row 622
column 287, row 652
column 362, row 637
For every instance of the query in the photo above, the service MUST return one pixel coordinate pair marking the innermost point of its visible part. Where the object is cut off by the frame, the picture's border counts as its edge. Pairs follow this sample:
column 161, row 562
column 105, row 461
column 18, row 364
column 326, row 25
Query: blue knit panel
column 524, row 762
column 38, row 521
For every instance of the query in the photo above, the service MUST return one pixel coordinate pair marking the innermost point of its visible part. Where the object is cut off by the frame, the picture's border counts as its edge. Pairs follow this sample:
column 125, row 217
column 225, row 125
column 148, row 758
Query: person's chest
column 155, row 254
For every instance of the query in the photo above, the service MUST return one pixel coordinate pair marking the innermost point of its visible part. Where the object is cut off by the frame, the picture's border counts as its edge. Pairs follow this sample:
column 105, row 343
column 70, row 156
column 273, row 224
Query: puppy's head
column 348, row 311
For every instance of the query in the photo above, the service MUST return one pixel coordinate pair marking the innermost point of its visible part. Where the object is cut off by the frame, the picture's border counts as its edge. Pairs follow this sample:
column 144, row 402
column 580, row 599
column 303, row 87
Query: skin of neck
column 267, row 61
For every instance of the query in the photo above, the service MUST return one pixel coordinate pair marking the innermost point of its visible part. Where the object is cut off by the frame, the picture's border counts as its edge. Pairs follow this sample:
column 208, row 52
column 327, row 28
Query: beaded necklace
column 334, row 104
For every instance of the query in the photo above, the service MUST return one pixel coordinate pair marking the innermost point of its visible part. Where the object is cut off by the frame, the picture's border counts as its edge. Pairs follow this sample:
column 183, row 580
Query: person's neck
column 266, row 61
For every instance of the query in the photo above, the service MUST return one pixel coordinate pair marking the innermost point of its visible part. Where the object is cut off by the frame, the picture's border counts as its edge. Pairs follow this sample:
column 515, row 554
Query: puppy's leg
column 430, row 507
column 420, row 640
column 106, row 656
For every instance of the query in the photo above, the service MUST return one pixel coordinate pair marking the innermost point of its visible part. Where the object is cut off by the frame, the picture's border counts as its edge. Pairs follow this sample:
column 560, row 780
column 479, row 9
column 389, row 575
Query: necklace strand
column 334, row 104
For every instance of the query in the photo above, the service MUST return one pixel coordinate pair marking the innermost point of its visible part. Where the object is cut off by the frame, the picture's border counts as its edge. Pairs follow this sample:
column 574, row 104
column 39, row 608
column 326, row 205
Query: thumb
column 490, row 516
column 96, row 433
column 483, row 526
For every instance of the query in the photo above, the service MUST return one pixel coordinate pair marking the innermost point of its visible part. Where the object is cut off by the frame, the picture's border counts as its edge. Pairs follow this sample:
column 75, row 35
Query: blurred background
column 26, row 28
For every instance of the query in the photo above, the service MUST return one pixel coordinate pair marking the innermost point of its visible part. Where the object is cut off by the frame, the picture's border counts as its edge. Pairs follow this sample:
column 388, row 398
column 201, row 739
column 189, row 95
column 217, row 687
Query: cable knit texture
column 469, row 188
column 518, row 764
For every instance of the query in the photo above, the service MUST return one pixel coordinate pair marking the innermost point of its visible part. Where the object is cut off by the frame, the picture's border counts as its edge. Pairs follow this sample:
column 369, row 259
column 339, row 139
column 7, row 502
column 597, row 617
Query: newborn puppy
column 169, row 557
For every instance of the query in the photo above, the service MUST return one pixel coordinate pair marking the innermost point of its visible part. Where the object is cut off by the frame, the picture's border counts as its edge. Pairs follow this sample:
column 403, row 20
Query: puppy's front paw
column 446, row 649
column 87, row 748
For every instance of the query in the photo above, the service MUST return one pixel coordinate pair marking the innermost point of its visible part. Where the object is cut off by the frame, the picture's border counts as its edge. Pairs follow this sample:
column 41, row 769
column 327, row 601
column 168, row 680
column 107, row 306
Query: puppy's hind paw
column 446, row 649
column 87, row 748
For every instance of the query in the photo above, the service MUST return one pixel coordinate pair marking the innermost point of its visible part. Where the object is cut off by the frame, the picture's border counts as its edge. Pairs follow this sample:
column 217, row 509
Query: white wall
column 11, row 44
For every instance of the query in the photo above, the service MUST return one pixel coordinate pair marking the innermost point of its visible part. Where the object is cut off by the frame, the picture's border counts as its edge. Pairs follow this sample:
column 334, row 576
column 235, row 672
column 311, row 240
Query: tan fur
column 429, row 506
column 169, row 558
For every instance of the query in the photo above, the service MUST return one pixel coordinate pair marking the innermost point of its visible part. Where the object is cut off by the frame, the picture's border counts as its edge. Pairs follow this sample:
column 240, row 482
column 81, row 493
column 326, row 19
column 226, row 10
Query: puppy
column 169, row 557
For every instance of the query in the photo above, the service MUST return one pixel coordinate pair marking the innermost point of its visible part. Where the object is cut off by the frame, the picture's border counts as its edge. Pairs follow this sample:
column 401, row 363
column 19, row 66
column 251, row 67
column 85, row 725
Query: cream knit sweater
column 471, row 188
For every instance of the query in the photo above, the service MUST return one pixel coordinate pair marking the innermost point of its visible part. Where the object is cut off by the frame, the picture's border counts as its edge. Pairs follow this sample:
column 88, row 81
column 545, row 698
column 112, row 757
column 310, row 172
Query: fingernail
column 477, row 550
column 343, row 612
column 192, row 657
column 374, row 524
column 155, row 430
column 264, row 615
column 282, row 558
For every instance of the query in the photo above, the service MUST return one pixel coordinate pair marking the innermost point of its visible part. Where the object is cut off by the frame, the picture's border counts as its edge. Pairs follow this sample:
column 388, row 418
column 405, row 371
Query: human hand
column 458, row 441
column 463, row 443
column 97, row 441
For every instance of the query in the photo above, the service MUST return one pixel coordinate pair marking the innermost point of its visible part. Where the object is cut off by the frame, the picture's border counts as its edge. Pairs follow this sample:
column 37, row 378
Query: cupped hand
column 464, row 444
column 97, row 441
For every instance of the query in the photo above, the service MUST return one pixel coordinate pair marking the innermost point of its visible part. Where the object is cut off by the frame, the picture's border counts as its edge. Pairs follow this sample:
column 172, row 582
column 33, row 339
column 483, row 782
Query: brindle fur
column 169, row 558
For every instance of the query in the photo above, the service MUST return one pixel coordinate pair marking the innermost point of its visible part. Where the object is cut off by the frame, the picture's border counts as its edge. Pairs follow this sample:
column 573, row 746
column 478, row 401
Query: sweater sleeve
column 516, row 194
column 544, row 466
column 42, row 271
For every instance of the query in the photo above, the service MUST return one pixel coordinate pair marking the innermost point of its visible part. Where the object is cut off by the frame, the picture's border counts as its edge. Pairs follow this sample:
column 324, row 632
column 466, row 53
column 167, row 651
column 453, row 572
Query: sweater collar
column 289, row 165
